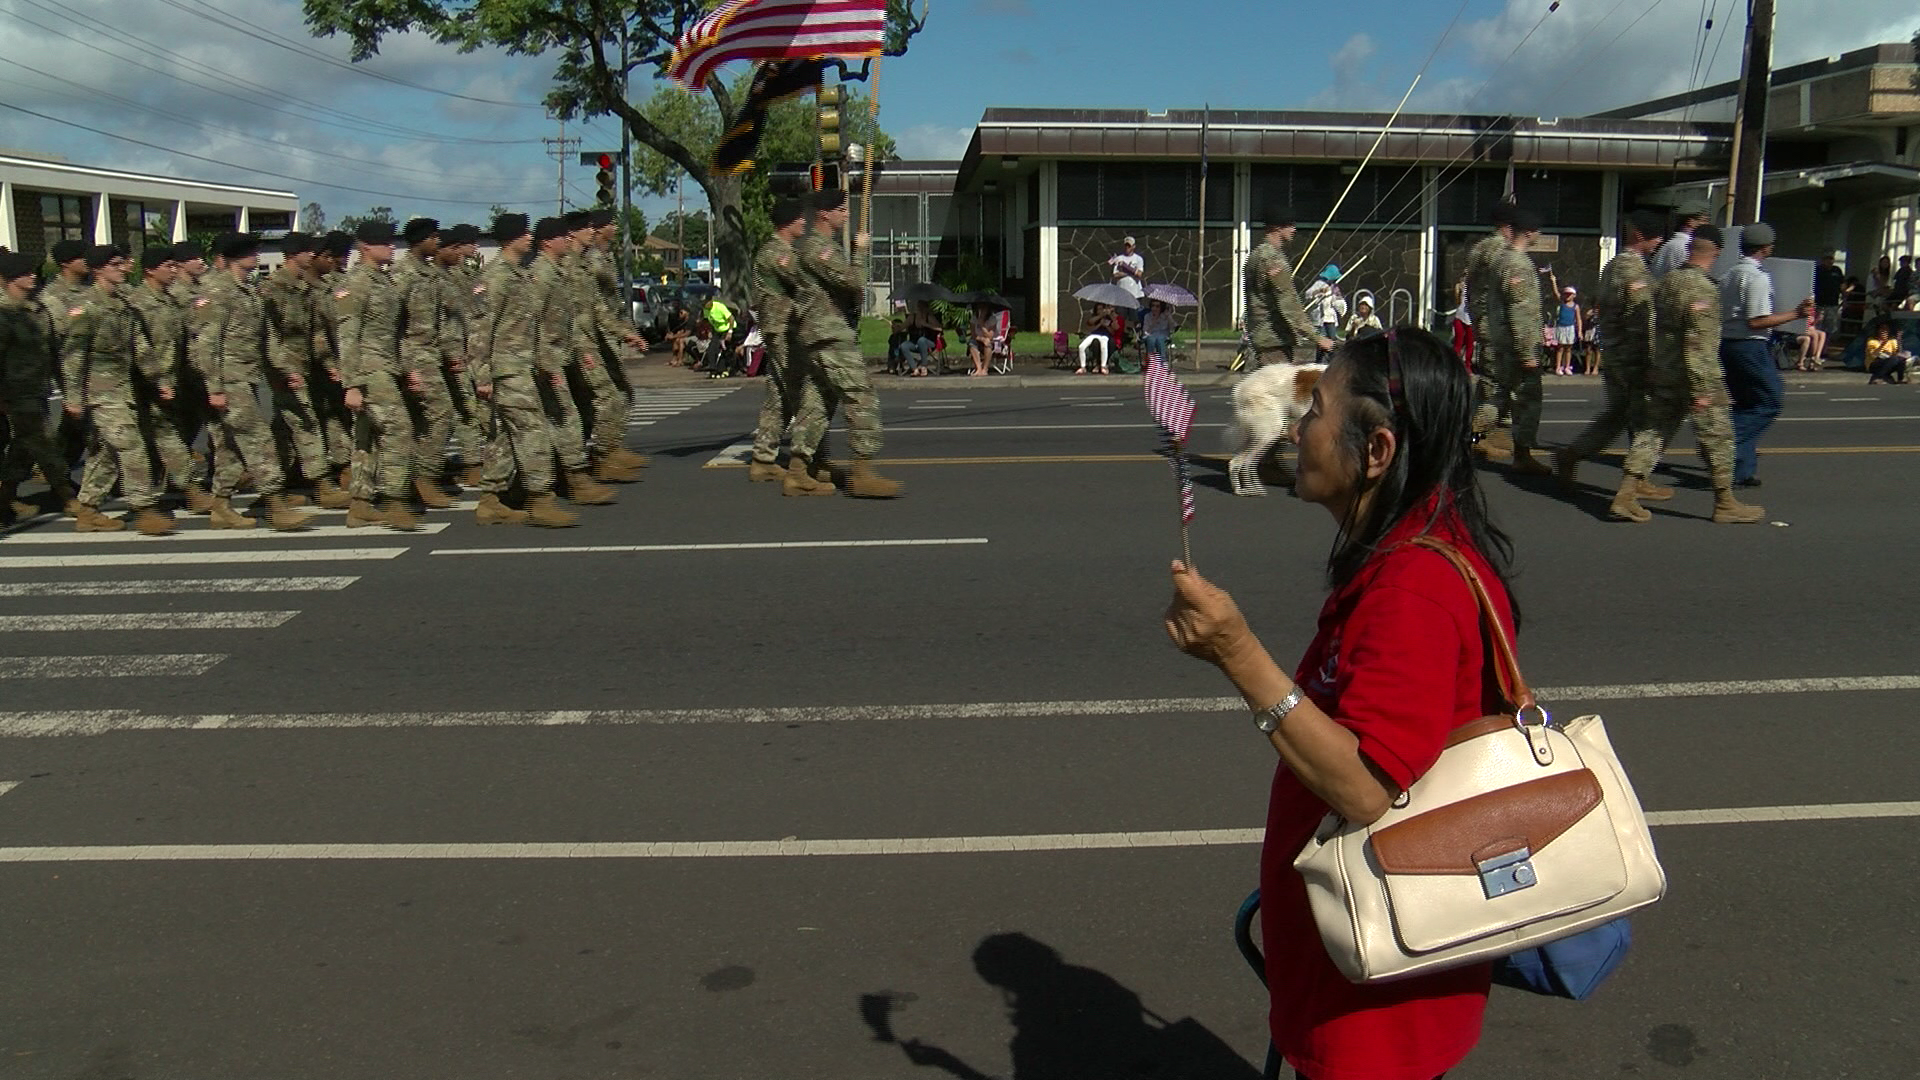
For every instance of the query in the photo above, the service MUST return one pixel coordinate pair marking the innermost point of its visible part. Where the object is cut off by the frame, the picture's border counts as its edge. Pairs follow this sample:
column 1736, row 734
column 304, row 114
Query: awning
column 1855, row 182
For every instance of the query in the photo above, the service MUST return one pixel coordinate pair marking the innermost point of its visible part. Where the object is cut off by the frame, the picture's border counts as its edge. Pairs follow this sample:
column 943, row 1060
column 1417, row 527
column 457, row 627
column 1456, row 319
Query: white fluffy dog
column 1266, row 405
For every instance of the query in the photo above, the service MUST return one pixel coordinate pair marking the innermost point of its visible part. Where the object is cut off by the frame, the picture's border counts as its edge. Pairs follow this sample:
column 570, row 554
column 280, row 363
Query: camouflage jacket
column 26, row 351
column 558, row 337
column 597, row 320
column 1479, row 282
column 830, row 286
column 1626, row 309
column 1513, row 314
column 504, row 333
column 161, row 329
column 367, row 313
column 1686, row 340
column 99, row 353
column 422, row 288
column 1276, row 319
column 288, row 306
column 462, row 304
column 229, row 336
column 776, row 284
column 63, row 303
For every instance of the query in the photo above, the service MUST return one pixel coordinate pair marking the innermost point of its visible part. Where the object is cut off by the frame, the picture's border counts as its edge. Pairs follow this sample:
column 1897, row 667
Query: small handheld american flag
column 1173, row 409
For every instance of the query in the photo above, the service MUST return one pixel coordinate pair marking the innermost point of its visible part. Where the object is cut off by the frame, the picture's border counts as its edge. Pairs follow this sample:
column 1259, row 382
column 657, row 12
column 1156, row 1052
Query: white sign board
column 1792, row 278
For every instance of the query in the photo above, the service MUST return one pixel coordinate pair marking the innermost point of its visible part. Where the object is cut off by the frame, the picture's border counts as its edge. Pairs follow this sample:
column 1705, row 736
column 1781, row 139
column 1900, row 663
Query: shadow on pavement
column 1069, row 1023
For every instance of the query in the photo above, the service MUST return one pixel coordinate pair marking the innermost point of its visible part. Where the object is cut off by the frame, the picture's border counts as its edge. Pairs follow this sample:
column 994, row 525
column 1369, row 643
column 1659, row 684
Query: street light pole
column 1750, row 119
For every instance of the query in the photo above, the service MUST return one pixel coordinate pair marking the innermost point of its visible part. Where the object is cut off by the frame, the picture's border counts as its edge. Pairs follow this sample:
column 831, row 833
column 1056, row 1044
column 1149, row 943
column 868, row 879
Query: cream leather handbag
column 1524, row 832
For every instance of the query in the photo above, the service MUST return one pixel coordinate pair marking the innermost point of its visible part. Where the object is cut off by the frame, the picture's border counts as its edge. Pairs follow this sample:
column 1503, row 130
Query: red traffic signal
column 605, row 161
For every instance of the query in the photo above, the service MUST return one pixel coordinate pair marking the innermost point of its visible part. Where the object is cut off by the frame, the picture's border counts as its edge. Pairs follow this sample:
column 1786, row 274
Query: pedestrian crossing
column 652, row 406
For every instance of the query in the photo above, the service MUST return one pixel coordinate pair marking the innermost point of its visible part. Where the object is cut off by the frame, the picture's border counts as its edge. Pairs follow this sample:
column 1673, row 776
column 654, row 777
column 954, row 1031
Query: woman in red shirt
column 1398, row 662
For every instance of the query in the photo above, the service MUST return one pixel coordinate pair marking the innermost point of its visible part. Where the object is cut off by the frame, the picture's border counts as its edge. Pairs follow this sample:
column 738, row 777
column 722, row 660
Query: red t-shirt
column 1398, row 660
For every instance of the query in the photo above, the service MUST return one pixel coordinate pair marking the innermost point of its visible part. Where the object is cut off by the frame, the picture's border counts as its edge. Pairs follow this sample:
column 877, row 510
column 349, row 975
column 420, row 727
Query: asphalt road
column 497, row 803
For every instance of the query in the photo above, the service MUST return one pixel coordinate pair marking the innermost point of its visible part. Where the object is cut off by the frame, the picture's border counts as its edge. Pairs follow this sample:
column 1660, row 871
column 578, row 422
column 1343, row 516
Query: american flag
column 777, row 30
column 1172, row 409
column 1183, row 477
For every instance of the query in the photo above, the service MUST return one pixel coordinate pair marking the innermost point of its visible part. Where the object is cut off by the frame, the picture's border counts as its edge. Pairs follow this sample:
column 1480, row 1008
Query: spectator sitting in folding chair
column 990, row 326
column 1101, row 333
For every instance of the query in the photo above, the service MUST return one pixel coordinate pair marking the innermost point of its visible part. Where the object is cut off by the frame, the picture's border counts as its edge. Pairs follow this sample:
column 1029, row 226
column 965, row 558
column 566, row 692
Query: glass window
column 64, row 217
column 1123, row 192
column 1382, row 195
column 1170, row 191
column 1468, row 196
column 896, row 215
column 1308, row 191
column 1079, row 190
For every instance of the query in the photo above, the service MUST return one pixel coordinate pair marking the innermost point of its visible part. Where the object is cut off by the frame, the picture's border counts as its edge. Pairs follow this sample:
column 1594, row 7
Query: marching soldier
column 229, row 350
column 325, row 386
column 421, row 285
column 291, row 311
column 162, row 329
column 559, row 343
column 507, row 373
column 377, row 381
column 63, row 297
column 1276, row 318
column 606, row 273
column 26, row 378
column 1492, row 397
column 776, row 289
column 600, row 328
column 1626, row 329
column 1513, row 323
column 832, row 287
column 1685, row 381
column 99, row 361
column 460, row 308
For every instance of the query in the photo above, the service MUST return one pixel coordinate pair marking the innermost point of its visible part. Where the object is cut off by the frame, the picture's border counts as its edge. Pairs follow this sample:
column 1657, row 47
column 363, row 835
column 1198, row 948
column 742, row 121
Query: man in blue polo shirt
column 1753, row 379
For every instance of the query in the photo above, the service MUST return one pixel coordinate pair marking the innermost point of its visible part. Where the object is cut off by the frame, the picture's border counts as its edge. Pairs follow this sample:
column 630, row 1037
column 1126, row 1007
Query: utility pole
column 562, row 148
column 680, row 227
column 1750, row 117
column 626, row 188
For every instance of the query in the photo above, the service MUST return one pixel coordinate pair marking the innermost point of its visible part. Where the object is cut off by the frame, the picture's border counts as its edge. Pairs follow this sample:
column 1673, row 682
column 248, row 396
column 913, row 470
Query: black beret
column 462, row 234
column 14, row 265
column 548, row 228
column 337, row 244
column 828, row 199
column 65, row 251
column 575, row 220
column 1527, row 221
column 419, row 229
column 1711, row 234
column 1651, row 224
column 599, row 218
column 152, row 256
column 298, row 243
column 374, row 232
column 239, row 246
column 187, row 251
column 101, row 254
column 1502, row 214
column 1276, row 217
column 788, row 211
column 509, row 227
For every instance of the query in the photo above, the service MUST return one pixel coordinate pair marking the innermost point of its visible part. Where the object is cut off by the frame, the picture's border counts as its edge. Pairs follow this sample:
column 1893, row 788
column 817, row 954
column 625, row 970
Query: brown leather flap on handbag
column 1456, row 839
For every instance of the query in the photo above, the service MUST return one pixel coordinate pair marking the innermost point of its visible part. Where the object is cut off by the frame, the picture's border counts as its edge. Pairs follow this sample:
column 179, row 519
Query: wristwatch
column 1269, row 718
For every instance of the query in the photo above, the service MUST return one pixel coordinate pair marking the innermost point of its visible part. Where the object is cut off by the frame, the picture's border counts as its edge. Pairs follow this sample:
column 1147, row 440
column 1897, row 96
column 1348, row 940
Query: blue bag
column 1572, row 967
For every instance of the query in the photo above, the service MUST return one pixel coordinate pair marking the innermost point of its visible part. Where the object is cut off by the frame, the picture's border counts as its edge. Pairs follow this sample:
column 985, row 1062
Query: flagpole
column 867, row 170
column 1180, row 500
column 1331, row 214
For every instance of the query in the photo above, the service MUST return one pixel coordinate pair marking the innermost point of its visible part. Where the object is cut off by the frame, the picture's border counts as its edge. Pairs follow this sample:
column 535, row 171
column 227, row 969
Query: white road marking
column 796, row 848
column 912, row 408
column 790, row 545
column 8, row 785
column 1806, row 393
column 145, row 620
column 199, row 558
column 467, row 506
column 1099, row 404
column 1838, row 400
column 177, row 585
column 194, row 536
column 1089, row 397
column 942, row 401
column 738, row 454
column 106, row 721
column 107, row 667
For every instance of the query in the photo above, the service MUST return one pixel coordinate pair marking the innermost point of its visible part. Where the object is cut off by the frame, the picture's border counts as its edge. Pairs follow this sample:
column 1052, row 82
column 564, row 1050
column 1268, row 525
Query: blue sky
column 195, row 79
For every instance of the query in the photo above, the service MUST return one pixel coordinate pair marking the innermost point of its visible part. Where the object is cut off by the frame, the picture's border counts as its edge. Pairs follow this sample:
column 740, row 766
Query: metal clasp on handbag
column 1507, row 873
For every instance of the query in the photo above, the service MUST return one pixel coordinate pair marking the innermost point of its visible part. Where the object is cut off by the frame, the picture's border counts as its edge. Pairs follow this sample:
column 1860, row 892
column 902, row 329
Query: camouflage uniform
column 830, row 349
column 601, row 334
column 161, row 328
column 505, row 352
column 229, row 350
column 1276, row 319
column 789, row 392
column 1626, row 329
column 1686, row 366
column 1511, row 328
column 289, row 307
column 606, row 275
column 98, row 361
column 62, row 301
column 368, row 308
column 26, row 371
column 326, row 387
column 1491, row 397
column 463, row 305
column 557, row 343
column 424, row 344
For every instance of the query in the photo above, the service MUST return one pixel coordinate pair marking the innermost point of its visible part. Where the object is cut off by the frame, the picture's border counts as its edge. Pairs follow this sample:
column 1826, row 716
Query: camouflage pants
column 788, row 395
column 609, row 407
column 243, row 443
column 1521, row 384
column 30, row 444
column 1667, row 406
column 293, row 415
column 160, row 424
column 328, row 399
column 839, row 373
column 432, row 410
column 522, row 440
column 563, row 422
column 384, row 443
column 1625, row 409
column 468, row 410
column 116, row 447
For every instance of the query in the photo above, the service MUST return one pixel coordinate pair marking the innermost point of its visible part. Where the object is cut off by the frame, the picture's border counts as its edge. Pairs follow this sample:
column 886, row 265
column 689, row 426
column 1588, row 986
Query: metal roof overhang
column 1858, row 181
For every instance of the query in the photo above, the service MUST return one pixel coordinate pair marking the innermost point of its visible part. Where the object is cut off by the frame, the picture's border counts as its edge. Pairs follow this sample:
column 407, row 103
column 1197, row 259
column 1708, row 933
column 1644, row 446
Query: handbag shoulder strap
column 1506, row 662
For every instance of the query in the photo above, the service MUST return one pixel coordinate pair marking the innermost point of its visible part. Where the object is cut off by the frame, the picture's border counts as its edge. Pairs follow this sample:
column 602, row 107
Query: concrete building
column 43, row 201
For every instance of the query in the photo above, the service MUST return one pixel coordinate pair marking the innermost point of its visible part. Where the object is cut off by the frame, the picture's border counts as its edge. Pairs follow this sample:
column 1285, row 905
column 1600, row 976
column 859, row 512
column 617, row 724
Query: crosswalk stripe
column 107, row 667
column 788, row 545
column 197, row 558
column 128, row 536
column 175, row 585
column 738, row 454
column 145, row 620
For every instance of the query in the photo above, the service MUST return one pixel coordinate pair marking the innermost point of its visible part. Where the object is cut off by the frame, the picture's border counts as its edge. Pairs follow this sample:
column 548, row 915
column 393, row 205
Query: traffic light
column 603, row 181
column 831, row 98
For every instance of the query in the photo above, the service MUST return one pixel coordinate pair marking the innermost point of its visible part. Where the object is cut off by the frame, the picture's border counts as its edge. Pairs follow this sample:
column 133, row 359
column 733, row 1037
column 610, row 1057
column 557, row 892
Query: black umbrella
column 989, row 298
column 925, row 292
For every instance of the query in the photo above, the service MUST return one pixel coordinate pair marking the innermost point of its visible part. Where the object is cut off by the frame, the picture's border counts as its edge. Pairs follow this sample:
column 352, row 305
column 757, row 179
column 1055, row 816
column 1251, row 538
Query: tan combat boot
column 822, row 468
column 1525, row 464
column 296, row 499
column 1728, row 510
column 64, row 496
column 764, row 472
column 395, row 514
column 609, row 471
column 585, row 491
column 544, row 511
column 222, row 515
column 799, row 480
column 282, row 516
column 198, row 501
column 1653, row 492
column 153, row 522
column 492, row 511
column 864, row 482
column 361, row 513
column 90, row 519
column 430, row 494
column 327, row 493
column 1626, row 506
column 470, row 476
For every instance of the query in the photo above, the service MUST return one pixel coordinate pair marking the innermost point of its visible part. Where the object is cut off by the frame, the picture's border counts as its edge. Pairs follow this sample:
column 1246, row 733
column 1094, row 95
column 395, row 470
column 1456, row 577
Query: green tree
column 590, row 75
column 313, row 219
column 384, row 214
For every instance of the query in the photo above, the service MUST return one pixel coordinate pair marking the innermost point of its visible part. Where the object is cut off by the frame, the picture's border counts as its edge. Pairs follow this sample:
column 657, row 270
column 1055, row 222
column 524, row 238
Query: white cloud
column 933, row 142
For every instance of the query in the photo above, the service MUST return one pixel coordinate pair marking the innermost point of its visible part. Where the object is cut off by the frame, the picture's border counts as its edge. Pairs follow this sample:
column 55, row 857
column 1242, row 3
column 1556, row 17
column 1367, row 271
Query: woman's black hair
column 1431, row 413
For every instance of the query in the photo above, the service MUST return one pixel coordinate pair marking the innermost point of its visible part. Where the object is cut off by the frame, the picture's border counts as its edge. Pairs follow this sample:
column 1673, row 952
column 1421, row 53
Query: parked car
column 651, row 304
